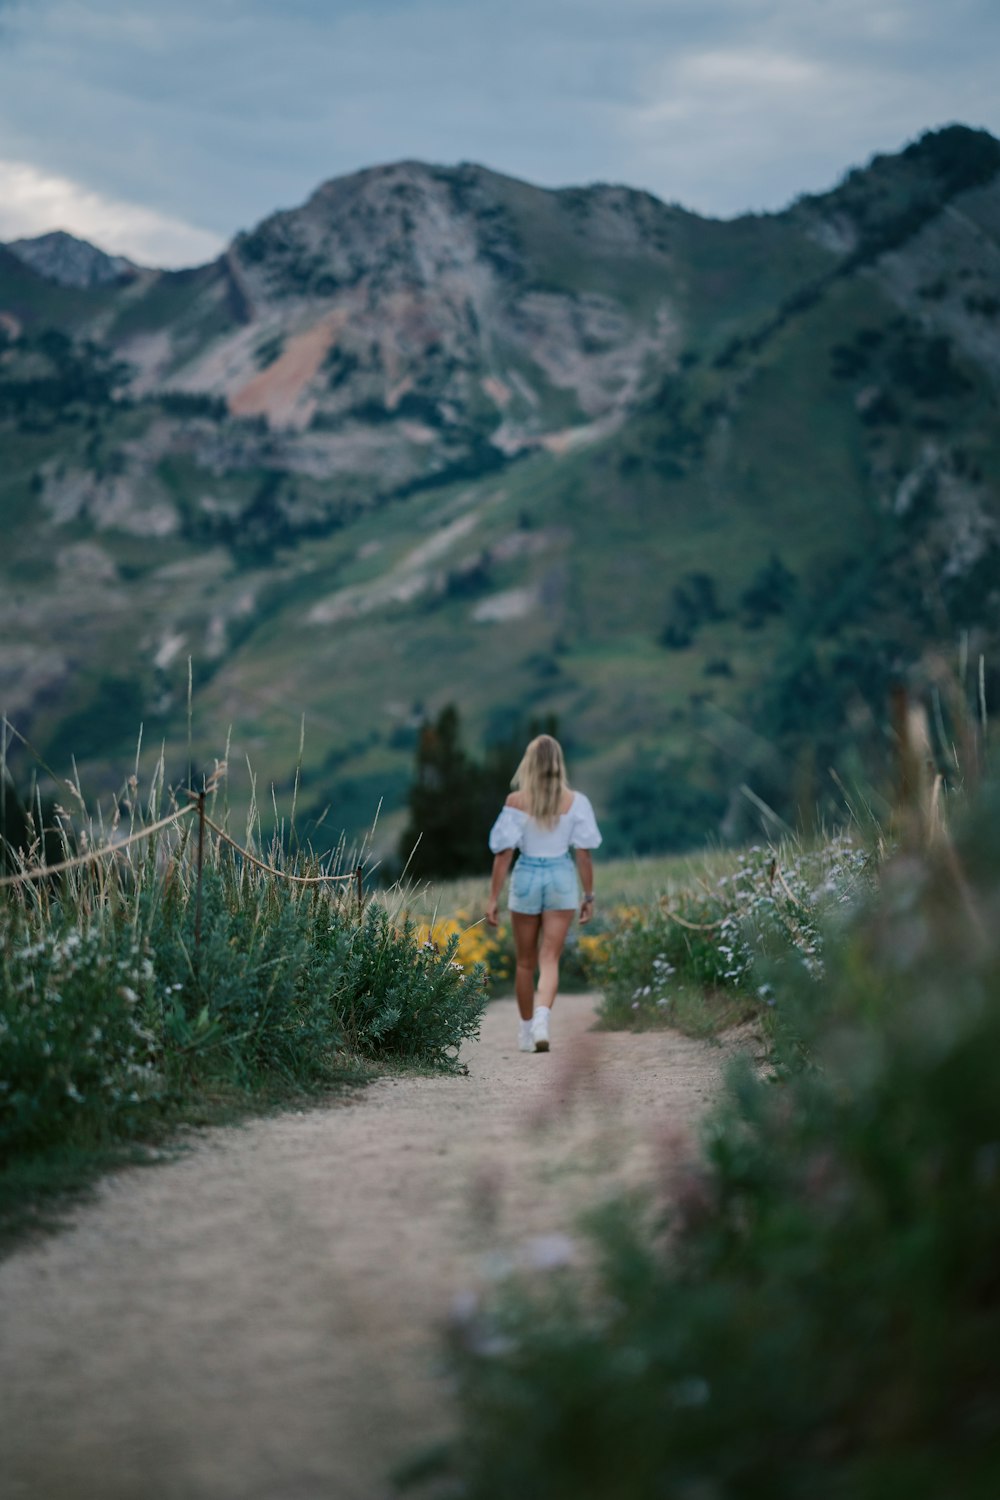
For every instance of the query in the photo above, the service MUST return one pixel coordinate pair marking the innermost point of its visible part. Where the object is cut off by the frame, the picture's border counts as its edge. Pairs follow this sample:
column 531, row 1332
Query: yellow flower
column 477, row 943
column 594, row 947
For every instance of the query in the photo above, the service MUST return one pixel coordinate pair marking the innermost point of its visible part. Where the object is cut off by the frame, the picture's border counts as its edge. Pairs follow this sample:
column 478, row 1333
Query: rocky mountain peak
column 405, row 225
column 467, row 304
column 68, row 261
column 880, row 205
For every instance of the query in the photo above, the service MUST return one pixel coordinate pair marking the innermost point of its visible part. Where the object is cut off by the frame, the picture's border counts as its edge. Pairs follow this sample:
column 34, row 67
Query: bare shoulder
column 516, row 799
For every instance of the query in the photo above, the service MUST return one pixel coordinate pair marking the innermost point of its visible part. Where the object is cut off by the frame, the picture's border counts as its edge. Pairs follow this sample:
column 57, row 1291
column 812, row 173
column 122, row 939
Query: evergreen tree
column 454, row 798
column 442, row 837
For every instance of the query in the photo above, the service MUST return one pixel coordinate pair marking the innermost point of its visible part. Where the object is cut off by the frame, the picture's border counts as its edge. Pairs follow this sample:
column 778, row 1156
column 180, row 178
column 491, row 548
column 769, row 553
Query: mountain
column 703, row 489
column 68, row 261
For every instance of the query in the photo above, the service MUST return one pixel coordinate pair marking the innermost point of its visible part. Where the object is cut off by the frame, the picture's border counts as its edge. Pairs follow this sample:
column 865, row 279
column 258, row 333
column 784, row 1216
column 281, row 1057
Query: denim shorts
column 539, row 884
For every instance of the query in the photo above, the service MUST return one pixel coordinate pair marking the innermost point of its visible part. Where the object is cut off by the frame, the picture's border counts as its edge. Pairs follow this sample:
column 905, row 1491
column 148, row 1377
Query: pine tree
column 443, row 837
column 454, row 798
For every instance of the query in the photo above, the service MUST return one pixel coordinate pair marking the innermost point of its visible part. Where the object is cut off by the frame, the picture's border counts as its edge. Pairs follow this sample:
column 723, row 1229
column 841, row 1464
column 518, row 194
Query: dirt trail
column 258, row 1319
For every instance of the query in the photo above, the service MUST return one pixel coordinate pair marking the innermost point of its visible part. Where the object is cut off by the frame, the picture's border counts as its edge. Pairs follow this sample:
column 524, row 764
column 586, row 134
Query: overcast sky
column 159, row 129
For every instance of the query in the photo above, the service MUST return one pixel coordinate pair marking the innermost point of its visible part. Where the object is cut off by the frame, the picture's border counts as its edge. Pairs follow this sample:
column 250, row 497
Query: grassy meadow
column 617, row 883
column 676, row 940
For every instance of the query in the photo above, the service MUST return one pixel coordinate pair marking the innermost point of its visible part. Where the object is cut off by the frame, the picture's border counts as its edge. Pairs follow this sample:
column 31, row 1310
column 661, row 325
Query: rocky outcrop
column 68, row 261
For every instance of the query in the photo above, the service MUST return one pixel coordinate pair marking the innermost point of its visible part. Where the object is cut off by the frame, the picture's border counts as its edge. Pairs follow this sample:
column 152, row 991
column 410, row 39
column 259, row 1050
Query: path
column 258, row 1319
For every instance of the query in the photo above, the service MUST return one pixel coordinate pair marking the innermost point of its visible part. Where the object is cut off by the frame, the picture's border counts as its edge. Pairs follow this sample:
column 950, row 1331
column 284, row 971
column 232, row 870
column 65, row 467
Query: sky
column 160, row 130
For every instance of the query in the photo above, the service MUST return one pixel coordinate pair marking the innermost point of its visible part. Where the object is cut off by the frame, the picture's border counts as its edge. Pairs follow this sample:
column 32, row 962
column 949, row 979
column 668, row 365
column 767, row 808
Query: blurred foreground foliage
column 810, row 1307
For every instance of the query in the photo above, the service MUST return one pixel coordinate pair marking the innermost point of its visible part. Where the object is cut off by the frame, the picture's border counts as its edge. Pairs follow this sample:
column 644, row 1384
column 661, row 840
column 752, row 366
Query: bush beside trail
column 811, row 1307
column 116, row 1023
column 712, row 954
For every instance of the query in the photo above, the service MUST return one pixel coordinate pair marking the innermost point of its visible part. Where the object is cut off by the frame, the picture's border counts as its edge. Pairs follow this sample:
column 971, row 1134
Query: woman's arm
column 585, row 869
column 501, row 864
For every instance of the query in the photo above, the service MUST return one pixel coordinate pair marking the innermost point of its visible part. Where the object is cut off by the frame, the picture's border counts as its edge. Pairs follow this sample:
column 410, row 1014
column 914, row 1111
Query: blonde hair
column 541, row 776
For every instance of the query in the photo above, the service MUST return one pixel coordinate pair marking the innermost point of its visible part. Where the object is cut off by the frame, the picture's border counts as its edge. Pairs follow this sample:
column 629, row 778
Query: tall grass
column 809, row 1308
column 134, row 989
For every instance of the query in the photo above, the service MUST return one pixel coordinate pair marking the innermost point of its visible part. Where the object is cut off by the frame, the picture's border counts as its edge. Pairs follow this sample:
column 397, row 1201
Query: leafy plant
column 395, row 996
column 735, row 935
column 812, row 1309
column 77, row 1055
column 130, row 988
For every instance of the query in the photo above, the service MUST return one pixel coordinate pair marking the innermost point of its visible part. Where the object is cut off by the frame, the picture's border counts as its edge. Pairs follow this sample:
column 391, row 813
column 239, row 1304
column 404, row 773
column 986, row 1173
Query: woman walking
column 544, row 819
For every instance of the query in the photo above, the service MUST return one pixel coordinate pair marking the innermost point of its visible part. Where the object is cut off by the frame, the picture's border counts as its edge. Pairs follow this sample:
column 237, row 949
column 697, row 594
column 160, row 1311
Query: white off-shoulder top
column 576, row 829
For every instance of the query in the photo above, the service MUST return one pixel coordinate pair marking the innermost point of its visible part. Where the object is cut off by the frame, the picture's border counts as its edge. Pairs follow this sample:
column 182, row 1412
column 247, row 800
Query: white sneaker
column 540, row 1029
column 525, row 1040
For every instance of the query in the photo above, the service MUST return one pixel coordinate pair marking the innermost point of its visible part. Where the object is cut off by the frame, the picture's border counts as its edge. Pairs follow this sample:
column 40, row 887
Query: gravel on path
column 260, row 1318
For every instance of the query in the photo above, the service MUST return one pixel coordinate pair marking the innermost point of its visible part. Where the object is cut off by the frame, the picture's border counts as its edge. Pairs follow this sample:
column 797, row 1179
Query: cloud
column 754, row 67
column 33, row 202
column 788, row 103
column 214, row 112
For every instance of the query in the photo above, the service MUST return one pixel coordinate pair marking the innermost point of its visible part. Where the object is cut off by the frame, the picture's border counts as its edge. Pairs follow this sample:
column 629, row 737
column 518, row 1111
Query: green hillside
column 704, row 490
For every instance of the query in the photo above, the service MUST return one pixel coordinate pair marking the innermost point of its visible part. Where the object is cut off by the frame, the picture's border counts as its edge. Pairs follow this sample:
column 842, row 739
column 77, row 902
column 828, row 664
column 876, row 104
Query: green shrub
column 241, row 1006
column 812, row 1310
column 112, row 1010
column 108, row 714
column 76, row 1052
column 395, row 996
column 734, row 936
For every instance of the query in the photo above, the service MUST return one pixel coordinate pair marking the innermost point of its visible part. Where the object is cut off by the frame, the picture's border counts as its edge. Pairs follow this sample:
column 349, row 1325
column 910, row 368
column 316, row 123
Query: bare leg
column 555, row 925
column 526, row 929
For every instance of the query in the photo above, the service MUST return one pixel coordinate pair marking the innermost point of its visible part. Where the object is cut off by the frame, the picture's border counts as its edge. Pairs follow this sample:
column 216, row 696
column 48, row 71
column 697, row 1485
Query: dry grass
column 618, row 883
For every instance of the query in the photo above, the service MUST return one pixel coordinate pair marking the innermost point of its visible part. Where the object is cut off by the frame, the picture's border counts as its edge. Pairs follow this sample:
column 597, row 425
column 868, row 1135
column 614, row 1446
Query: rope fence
column 691, row 926
column 40, row 872
column 270, row 869
column 196, row 805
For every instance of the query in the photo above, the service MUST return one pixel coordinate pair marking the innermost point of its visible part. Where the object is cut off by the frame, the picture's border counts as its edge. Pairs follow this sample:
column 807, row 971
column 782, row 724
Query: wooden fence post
column 201, row 862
